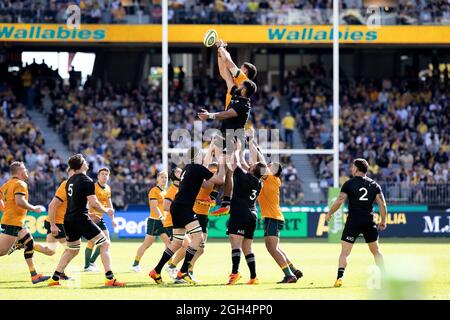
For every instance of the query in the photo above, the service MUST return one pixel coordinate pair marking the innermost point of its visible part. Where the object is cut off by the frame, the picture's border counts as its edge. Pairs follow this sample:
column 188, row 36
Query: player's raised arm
column 209, row 153
column 226, row 59
column 336, row 205
column 219, row 177
column 256, row 154
column 383, row 209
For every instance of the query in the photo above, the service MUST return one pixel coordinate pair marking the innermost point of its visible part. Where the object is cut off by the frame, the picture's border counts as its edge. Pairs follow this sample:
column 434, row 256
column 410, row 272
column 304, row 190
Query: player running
column 361, row 192
column 234, row 119
column 242, row 224
column 80, row 190
column 185, row 220
column 155, row 226
column 14, row 206
column 103, row 194
column 269, row 204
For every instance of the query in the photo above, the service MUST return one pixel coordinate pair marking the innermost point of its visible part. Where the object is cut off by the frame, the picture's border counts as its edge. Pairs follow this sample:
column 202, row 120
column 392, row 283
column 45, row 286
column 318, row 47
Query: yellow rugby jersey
column 170, row 195
column 103, row 195
column 156, row 194
column 201, row 205
column 269, row 198
column 238, row 80
column 13, row 215
column 61, row 195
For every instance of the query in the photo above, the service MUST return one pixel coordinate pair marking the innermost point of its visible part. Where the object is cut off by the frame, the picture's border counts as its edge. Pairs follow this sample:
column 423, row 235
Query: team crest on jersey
column 350, row 239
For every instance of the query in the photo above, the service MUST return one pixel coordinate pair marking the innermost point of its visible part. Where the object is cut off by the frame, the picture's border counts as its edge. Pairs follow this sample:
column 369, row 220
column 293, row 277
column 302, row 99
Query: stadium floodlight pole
column 336, row 93
column 165, row 86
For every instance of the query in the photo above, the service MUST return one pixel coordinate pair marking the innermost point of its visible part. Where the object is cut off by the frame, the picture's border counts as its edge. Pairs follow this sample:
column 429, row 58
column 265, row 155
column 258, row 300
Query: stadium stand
column 401, row 128
column 222, row 12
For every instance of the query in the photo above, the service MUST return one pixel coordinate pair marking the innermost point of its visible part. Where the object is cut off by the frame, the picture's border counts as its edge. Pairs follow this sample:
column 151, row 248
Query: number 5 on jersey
column 70, row 190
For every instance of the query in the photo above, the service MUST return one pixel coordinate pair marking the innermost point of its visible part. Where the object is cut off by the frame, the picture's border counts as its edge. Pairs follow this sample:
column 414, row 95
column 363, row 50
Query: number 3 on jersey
column 364, row 195
column 253, row 196
column 70, row 190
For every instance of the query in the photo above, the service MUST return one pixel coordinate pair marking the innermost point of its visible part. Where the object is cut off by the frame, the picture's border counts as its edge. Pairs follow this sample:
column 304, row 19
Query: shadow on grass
column 301, row 288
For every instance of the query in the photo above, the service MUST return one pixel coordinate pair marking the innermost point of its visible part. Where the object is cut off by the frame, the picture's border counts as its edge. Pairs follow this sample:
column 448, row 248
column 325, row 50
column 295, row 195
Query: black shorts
column 204, row 221
column 154, row 227
column 61, row 234
column 241, row 226
column 182, row 215
column 10, row 230
column 272, row 227
column 352, row 230
column 102, row 225
column 80, row 226
column 169, row 232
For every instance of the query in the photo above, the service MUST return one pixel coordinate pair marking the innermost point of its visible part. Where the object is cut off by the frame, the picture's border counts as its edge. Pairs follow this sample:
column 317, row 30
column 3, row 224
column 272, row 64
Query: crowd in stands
column 222, row 11
column 402, row 129
column 112, row 125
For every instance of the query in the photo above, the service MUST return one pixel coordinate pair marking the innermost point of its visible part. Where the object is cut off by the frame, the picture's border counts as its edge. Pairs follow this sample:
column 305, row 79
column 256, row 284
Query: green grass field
column 317, row 259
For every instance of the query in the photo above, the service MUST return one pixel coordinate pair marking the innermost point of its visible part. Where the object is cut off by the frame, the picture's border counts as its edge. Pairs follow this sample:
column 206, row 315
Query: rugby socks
column 236, row 259
column 191, row 267
column 250, row 258
column 32, row 271
column 340, row 273
column 136, row 261
column 88, row 254
column 95, row 255
column 213, row 195
column 287, row 271
column 190, row 253
column 56, row 276
column 165, row 257
column 291, row 266
column 109, row 275
column 225, row 201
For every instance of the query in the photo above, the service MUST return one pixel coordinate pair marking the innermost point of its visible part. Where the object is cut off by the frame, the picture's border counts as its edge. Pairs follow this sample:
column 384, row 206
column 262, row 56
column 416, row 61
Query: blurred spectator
column 288, row 124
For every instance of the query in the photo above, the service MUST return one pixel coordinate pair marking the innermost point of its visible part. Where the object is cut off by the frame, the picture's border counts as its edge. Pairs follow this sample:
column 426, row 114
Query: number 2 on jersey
column 364, row 196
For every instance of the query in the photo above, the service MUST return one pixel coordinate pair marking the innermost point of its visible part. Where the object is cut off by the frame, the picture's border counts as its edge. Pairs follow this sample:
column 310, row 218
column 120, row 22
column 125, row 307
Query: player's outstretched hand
column 329, row 216
column 221, row 43
column 382, row 225
column 203, row 115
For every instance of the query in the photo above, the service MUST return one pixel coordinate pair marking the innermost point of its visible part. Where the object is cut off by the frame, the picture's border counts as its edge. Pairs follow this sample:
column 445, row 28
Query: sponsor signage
column 399, row 224
column 293, row 34
column 300, row 222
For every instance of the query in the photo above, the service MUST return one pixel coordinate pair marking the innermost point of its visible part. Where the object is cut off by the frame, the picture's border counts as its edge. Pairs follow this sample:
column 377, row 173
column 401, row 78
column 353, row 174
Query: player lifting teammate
column 103, row 194
column 155, row 225
column 80, row 190
column 203, row 204
column 184, row 218
column 235, row 78
column 14, row 206
column 361, row 192
column 269, row 204
column 234, row 119
column 242, row 224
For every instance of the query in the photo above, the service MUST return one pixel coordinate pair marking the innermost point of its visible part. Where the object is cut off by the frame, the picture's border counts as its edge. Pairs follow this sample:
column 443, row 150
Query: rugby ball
column 43, row 209
column 210, row 38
